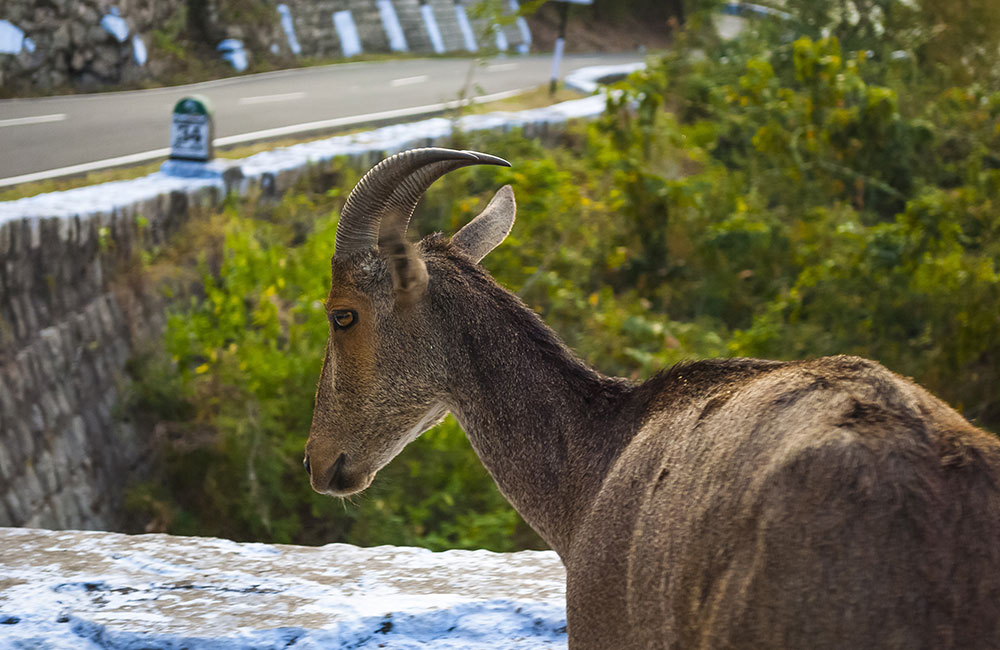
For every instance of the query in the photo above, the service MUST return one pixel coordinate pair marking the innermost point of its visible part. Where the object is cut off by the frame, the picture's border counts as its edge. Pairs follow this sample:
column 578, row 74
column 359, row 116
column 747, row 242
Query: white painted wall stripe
column 390, row 23
column 347, row 32
column 501, row 38
column 522, row 26
column 432, row 28
column 289, row 27
column 463, row 26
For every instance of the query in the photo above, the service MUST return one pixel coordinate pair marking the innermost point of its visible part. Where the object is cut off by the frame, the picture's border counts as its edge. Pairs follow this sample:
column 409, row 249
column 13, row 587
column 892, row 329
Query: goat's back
column 820, row 504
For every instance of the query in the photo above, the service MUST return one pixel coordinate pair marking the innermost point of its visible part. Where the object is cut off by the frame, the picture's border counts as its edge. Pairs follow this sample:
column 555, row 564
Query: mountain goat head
column 383, row 380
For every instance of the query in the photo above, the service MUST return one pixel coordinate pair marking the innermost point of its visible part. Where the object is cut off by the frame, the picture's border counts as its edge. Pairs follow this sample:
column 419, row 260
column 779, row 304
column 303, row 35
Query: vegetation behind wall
column 784, row 201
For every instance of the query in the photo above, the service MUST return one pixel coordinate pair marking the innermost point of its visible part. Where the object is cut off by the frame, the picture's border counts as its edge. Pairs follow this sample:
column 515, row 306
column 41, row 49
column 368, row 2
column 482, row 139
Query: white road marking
column 407, row 81
column 268, row 99
column 35, row 119
column 501, row 67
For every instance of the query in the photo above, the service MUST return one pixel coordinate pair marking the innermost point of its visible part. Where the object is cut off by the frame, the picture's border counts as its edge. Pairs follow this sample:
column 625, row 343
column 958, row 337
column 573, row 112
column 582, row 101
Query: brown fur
column 721, row 504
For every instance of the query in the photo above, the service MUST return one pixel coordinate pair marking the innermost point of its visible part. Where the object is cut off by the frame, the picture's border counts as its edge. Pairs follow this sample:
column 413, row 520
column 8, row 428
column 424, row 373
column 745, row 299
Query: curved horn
column 396, row 184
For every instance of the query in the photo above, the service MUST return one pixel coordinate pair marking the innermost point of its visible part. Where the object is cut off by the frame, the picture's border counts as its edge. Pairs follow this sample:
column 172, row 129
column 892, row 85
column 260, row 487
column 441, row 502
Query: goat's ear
column 486, row 231
column 409, row 273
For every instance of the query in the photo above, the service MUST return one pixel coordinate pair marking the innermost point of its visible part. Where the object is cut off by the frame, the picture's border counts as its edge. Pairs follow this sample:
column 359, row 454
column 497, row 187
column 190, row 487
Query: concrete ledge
column 90, row 590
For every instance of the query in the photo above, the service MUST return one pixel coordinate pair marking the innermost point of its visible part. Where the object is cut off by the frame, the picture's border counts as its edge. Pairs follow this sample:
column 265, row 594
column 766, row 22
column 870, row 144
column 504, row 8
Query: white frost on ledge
column 92, row 590
column 86, row 202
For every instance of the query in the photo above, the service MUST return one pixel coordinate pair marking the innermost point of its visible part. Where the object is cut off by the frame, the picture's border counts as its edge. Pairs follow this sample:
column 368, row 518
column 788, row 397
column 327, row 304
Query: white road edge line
column 83, row 168
column 35, row 119
column 267, row 99
column 260, row 135
column 409, row 81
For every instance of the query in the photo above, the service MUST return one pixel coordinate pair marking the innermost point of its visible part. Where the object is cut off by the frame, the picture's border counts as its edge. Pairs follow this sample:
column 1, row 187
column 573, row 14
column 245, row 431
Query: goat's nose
column 305, row 463
column 337, row 473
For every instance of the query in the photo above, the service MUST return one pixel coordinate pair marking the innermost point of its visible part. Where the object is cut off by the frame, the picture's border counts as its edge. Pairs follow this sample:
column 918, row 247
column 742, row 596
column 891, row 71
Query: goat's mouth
column 345, row 480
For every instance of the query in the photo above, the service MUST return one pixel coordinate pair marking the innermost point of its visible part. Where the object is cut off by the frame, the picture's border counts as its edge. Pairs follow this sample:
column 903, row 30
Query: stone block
column 45, row 368
column 53, row 348
column 61, row 396
column 6, row 518
column 5, row 235
column 45, row 469
column 25, row 438
column 85, row 503
column 36, row 419
column 20, row 323
column 61, row 37
column 66, row 510
column 7, row 403
column 8, row 471
column 15, row 507
column 28, row 313
column 105, row 321
column 93, row 429
column 30, row 490
column 63, row 461
column 78, row 444
column 43, row 518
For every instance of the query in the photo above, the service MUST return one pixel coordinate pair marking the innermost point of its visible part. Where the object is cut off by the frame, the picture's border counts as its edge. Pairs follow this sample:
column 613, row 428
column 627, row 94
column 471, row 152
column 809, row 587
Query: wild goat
column 733, row 503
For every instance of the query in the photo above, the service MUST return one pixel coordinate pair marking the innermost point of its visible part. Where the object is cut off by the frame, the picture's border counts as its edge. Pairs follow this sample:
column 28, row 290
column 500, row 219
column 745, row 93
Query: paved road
column 55, row 136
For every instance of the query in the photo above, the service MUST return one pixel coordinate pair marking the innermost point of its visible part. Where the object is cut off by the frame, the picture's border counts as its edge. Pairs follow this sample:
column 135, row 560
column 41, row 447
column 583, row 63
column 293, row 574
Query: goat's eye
column 343, row 318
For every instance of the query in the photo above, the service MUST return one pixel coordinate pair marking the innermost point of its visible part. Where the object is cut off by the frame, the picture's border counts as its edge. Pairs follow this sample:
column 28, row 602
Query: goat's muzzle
column 339, row 480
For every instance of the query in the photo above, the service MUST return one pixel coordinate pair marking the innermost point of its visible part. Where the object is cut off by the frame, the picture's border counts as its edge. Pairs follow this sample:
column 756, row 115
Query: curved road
column 57, row 136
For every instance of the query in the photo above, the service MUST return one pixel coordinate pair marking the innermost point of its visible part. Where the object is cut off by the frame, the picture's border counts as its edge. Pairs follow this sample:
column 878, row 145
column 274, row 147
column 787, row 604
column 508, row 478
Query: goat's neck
column 546, row 427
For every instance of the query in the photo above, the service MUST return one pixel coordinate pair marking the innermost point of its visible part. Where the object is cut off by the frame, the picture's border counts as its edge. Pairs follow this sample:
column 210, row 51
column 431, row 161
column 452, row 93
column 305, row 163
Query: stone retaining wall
column 68, row 323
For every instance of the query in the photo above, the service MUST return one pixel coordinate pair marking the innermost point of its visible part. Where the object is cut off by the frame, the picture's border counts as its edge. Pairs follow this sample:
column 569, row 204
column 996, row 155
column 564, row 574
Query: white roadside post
column 191, row 130
column 191, row 154
column 557, row 53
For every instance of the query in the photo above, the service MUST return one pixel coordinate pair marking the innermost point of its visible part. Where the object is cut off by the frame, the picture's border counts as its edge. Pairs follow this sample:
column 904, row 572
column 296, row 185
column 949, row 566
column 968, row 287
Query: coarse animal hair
column 735, row 503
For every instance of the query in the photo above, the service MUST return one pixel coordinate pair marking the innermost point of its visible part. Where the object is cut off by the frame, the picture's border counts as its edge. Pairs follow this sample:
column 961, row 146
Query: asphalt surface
column 56, row 136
